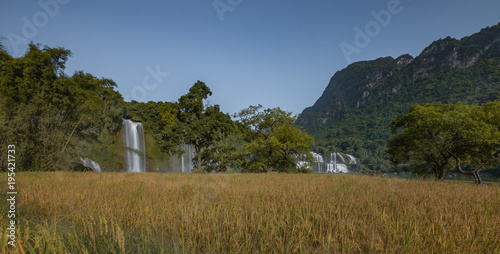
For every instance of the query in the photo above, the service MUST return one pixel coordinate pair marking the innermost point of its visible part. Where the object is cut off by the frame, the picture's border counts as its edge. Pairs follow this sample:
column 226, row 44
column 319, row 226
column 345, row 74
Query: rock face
column 365, row 84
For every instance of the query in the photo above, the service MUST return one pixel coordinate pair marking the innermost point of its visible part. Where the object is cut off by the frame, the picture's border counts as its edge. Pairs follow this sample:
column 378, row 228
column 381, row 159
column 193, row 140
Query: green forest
column 437, row 138
column 53, row 119
column 365, row 131
column 355, row 112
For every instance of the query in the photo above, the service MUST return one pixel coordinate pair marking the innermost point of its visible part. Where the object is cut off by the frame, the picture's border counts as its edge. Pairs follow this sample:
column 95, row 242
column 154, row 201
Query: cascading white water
column 317, row 157
column 187, row 158
column 319, row 160
column 352, row 159
column 91, row 164
column 135, row 153
column 337, row 164
column 337, row 158
column 337, row 168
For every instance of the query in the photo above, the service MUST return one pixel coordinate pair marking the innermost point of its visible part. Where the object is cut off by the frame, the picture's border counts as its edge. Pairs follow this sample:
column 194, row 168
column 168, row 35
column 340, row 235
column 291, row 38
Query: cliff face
column 364, row 86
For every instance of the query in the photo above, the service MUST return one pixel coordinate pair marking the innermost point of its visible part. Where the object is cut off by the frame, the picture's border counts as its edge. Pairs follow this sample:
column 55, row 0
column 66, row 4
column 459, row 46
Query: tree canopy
column 431, row 137
column 361, row 101
column 274, row 142
column 50, row 116
column 201, row 125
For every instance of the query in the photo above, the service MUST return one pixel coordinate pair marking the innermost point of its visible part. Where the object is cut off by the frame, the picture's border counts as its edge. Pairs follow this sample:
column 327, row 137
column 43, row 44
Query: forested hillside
column 354, row 113
column 51, row 121
column 53, row 118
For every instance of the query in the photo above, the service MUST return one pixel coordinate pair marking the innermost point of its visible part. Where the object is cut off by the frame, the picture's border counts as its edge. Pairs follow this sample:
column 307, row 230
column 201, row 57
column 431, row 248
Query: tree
column 160, row 120
column 200, row 125
column 274, row 142
column 422, row 146
column 46, row 113
column 434, row 134
column 218, row 158
column 476, row 139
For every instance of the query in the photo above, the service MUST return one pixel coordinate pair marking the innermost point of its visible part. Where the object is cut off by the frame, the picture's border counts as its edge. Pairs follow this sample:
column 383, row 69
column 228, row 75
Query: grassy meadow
column 249, row 213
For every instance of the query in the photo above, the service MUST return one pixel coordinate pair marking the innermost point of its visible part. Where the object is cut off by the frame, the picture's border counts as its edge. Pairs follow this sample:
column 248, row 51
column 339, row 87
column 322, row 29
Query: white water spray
column 352, row 159
column 135, row 153
column 187, row 158
column 90, row 164
column 337, row 163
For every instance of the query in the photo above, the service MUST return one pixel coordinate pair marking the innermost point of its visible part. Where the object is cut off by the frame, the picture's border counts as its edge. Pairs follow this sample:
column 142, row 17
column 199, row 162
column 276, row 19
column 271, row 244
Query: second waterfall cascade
column 337, row 164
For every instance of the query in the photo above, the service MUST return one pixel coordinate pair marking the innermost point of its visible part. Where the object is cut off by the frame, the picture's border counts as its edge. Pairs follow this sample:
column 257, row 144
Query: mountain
column 354, row 112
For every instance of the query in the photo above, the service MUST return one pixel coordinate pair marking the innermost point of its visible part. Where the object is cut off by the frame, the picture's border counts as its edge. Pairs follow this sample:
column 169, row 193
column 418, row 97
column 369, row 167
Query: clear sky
column 279, row 53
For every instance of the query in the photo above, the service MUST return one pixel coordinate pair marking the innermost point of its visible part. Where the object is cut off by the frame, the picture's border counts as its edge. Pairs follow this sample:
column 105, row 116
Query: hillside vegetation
column 354, row 113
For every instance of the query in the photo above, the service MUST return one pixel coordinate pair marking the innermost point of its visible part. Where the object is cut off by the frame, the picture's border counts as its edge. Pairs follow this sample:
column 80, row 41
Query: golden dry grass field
column 249, row 213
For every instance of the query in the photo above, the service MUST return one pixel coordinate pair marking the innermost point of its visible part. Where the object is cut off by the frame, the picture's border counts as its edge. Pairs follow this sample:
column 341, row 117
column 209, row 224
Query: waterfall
column 135, row 153
column 352, row 159
column 317, row 157
column 337, row 168
column 90, row 164
column 187, row 158
column 337, row 164
column 337, row 157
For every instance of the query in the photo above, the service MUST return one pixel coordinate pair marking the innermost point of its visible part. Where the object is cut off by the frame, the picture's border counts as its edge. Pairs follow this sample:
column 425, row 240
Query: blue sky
column 275, row 53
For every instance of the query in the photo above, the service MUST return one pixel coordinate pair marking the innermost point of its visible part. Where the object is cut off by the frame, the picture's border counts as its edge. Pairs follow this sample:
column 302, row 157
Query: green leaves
column 274, row 143
column 199, row 125
column 51, row 117
column 430, row 134
column 361, row 100
column 191, row 104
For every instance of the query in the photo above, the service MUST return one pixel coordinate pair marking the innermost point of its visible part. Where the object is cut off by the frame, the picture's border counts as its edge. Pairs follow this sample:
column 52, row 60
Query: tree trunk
column 440, row 174
column 199, row 160
column 270, row 153
column 478, row 178
column 474, row 173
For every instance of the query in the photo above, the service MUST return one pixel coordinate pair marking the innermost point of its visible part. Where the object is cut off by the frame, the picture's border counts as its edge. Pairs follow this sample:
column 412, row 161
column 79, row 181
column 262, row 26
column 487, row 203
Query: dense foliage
column 50, row 117
column 355, row 111
column 54, row 119
column 201, row 125
column 260, row 141
column 274, row 143
column 429, row 137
